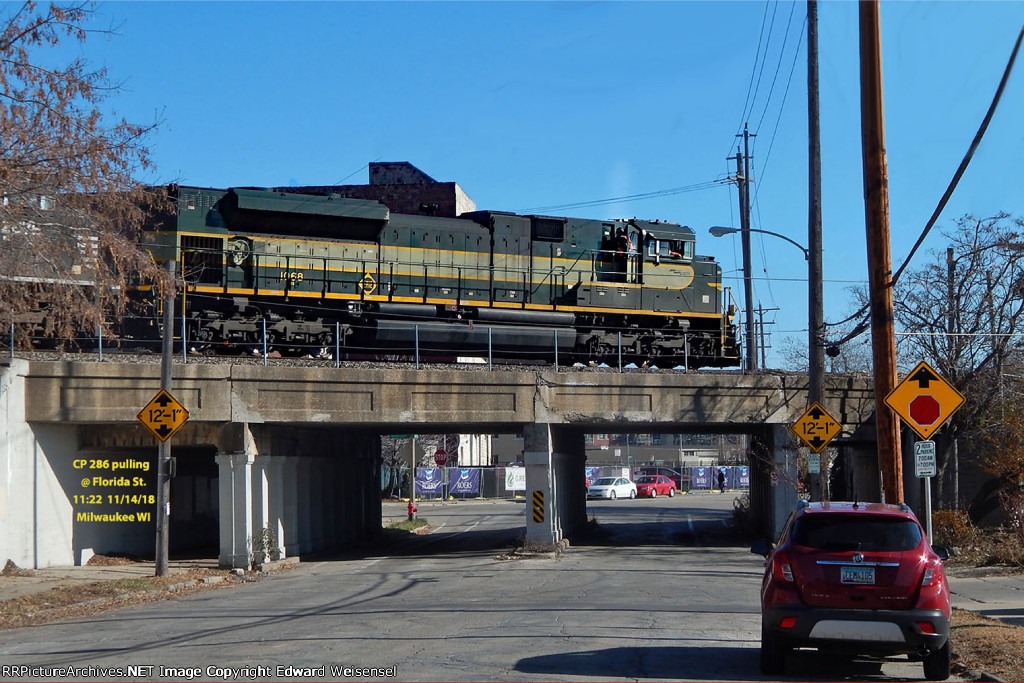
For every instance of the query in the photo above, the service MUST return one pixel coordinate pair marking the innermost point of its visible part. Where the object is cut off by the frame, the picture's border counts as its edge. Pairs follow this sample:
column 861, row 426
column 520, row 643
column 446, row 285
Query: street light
column 815, row 324
column 721, row 230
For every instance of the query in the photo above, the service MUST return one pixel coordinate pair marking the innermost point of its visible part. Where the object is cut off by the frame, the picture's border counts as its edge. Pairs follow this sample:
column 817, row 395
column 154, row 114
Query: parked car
column 682, row 481
column 612, row 488
column 653, row 486
column 857, row 578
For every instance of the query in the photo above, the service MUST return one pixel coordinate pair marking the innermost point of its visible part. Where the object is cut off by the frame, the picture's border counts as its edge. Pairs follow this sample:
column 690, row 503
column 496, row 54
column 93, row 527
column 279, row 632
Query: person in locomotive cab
column 621, row 254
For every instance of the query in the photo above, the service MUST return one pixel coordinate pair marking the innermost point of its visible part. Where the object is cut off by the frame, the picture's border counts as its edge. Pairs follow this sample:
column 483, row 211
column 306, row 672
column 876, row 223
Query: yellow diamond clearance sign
column 163, row 415
column 924, row 400
column 816, row 427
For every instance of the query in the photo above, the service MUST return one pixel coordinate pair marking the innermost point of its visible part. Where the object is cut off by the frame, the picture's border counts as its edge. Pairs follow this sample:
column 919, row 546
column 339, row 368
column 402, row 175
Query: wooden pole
column 876, row 210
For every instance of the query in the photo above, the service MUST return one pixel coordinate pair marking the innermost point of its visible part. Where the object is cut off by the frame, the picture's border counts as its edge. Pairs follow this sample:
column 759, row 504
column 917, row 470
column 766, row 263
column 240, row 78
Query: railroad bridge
column 291, row 455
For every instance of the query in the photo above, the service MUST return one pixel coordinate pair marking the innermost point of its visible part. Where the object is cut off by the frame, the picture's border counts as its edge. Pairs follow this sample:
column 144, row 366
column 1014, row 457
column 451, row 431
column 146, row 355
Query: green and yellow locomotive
column 304, row 270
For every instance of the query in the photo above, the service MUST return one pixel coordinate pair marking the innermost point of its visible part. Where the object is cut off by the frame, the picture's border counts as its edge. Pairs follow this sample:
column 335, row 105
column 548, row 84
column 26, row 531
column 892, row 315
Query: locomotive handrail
column 287, row 276
column 324, row 279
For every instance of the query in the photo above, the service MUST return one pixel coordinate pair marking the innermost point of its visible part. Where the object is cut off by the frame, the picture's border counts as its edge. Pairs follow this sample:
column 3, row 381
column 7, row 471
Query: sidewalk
column 995, row 596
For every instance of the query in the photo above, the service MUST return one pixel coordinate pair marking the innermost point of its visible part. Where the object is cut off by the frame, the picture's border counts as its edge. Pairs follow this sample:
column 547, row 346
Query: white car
column 612, row 488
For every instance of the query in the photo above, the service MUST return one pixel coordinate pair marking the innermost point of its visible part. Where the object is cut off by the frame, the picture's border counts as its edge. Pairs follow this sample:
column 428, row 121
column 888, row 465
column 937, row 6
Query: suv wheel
column 936, row 664
column 773, row 655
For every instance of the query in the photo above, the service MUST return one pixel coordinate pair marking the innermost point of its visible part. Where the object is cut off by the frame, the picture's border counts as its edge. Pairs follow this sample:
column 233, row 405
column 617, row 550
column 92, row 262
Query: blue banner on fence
column 463, row 482
column 743, row 477
column 429, row 481
column 700, row 477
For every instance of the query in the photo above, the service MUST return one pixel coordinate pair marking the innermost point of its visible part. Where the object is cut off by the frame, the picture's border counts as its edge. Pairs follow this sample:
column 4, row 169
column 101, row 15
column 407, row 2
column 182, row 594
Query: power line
column 753, row 70
column 706, row 185
column 782, row 51
column 863, row 324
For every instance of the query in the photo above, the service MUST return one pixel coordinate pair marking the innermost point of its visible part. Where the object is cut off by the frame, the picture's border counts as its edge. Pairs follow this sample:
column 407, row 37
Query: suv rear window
column 856, row 532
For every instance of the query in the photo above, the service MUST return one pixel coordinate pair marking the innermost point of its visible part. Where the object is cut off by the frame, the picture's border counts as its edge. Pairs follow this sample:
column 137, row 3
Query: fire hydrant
column 412, row 511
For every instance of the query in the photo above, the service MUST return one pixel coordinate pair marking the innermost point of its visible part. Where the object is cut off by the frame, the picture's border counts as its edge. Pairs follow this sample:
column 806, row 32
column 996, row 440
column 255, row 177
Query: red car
column 655, row 485
column 857, row 578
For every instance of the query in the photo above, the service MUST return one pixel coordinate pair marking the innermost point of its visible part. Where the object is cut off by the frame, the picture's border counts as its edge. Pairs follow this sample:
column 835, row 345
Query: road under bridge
column 288, row 458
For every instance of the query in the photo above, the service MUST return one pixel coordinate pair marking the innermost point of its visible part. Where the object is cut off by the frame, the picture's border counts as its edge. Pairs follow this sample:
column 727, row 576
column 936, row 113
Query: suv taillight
column 781, row 569
column 932, row 574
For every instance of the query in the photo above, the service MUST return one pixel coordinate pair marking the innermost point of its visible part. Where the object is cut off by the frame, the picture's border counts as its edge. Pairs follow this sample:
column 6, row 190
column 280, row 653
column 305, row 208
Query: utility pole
column 815, row 303
column 743, row 184
column 163, row 458
column 876, row 209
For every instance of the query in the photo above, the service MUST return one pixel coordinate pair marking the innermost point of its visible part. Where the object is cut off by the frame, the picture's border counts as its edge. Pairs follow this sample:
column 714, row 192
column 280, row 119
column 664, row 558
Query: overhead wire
column 708, row 184
column 748, row 106
column 862, row 326
column 782, row 51
column 751, row 86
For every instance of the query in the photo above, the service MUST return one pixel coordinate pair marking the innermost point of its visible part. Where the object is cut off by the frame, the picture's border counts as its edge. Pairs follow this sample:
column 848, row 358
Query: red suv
column 857, row 578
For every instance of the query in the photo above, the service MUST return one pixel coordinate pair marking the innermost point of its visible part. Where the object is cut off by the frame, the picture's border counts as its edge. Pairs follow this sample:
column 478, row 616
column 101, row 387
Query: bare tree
column 963, row 313
column 395, row 457
column 854, row 356
column 71, row 208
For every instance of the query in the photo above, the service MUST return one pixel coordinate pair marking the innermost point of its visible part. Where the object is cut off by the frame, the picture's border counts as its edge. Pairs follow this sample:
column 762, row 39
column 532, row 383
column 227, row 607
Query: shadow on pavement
column 703, row 663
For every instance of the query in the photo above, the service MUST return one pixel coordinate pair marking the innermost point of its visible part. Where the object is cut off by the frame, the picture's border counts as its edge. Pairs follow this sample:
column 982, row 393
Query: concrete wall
column 36, row 528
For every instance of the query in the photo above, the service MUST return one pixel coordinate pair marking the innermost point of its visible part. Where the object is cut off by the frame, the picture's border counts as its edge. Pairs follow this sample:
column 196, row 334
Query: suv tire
column 937, row 664
column 773, row 655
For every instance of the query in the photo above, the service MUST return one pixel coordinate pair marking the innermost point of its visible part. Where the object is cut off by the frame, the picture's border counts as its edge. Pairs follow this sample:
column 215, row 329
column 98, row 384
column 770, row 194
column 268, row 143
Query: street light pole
column 815, row 323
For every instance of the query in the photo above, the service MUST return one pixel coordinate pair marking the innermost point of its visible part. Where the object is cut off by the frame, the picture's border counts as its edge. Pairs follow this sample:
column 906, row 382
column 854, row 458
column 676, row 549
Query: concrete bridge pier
column 555, row 483
column 275, row 501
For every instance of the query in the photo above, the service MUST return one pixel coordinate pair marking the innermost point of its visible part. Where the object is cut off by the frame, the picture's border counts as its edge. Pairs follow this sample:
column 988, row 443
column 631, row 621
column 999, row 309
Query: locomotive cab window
column 674, row 250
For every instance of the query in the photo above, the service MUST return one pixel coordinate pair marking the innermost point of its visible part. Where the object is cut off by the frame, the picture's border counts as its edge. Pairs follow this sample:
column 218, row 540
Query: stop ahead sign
column 440, row 456
column 924, row 400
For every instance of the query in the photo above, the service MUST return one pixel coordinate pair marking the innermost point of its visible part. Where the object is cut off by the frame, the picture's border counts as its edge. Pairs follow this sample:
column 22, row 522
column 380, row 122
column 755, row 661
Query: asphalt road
column 661, row 591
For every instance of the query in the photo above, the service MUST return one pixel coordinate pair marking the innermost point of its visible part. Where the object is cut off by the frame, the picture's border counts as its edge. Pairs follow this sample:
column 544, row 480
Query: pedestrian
column 721, row 480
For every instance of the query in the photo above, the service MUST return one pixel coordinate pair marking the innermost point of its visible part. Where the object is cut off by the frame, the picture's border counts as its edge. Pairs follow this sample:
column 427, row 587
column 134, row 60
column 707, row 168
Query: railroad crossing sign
column 816, row 428
column 163, row 415
column 924, row 400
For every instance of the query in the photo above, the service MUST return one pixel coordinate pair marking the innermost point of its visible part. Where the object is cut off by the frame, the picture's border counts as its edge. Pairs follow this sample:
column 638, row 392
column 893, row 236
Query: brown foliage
column 70, row 206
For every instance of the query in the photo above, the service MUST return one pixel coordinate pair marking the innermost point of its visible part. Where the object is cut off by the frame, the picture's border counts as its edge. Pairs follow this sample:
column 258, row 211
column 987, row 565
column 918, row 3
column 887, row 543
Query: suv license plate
column 857, row 575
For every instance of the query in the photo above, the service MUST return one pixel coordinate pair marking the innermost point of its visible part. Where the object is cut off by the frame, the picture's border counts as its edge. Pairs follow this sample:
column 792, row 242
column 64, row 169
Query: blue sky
column 538, row 104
